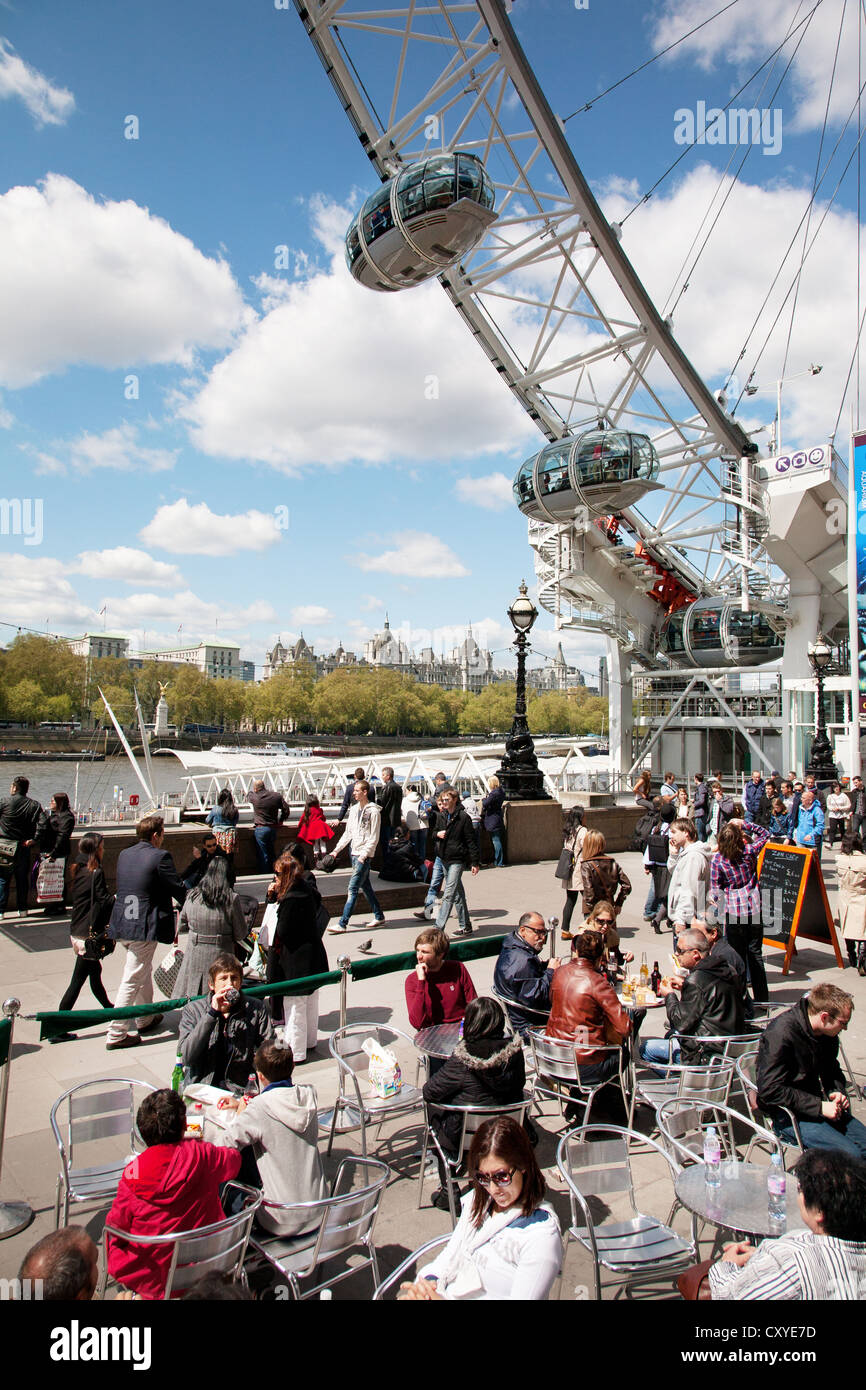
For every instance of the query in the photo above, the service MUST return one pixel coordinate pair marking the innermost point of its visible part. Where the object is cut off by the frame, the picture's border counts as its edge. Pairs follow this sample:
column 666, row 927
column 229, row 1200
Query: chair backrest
column 521, row 1016
column 347, row 1044
column 709, row 1083
column 683, row 1125
column 747, row 1071
column 553, row 1057
column 597, row 1167
column 95, row 1110
column 218, row 1249
column 347, row 1217
column 474, row 1116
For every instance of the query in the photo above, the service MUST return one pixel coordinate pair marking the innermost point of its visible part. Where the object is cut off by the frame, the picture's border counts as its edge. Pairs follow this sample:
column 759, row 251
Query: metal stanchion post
column 553, row 923
column 14, row 1216
column 347, row 1116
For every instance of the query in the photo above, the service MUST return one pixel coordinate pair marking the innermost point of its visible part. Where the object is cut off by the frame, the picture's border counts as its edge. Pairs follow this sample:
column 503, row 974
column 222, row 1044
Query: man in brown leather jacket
column 584, row 1008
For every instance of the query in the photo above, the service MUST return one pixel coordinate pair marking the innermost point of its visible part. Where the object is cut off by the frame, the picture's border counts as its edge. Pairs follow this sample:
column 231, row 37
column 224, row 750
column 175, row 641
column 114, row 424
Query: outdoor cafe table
column 739, row 1203
column 439, row 1040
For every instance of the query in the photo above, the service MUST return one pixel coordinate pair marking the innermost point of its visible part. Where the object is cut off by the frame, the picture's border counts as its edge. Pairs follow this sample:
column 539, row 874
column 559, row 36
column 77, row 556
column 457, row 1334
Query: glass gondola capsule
column 716, row 632
column 420, row 221
column 604, row 470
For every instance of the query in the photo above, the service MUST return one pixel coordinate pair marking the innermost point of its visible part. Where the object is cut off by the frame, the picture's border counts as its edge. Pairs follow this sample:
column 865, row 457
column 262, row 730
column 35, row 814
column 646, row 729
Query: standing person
column 457, row 850
column 223, row 820
column 142, row 917
column 349, row 793
column 682, row 804
column 91, row 910
column 24, row 823
column 435, row 821
column 812, row 786
column 437, row 990
column 858, row 806
column 362, row 836
column 491, row 811
column 269, row 811
column 851, row 878
column 574, row 833
column 838, row 811
column 58, row 840
column 313, row 829
column 788, row 795
column 602, row 879
column 754, row 790
column 736, row 897
column 655, row 861
column 780, row 823
column 296, row 951
column 668, row 789
column 701, row 806
column 214, row 919
column 721, row 810
column 689, row 868
column 389, row 799
column 807, row 822
column 416, row 821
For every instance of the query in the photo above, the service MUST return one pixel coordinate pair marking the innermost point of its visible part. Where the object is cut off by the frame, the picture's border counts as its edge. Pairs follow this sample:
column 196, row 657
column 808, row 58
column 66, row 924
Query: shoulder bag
column 97, row 944
column 565, row 866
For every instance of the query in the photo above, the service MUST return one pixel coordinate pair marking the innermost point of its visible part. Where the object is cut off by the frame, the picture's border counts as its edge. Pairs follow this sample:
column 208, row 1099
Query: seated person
column 521, row 976
column 585, row 1009
column 437, row 990
column 707, row 1003
column 486, row 1068
column 827, row 1262
column 219, row 1035
column 66, row 1263
column 798, row 1066
column 507, row 1244
column 282, row 1125
column 400, row 861
column 602, row 918
column 203, row 853
column 172, row 1186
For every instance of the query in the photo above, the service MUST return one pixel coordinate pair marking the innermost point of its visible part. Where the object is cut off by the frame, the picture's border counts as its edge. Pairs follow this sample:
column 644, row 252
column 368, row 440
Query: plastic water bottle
column 713, row 1157
column 776, row 1204
column 177, row 1075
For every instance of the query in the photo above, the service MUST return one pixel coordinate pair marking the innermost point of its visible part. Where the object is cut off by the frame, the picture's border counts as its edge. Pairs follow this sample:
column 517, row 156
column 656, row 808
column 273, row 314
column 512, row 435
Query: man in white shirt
column 362, row 837
column 668, row 790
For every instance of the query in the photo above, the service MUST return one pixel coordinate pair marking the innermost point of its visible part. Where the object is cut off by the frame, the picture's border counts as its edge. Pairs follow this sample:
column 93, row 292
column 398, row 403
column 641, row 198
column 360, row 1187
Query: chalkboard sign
column 794, row 900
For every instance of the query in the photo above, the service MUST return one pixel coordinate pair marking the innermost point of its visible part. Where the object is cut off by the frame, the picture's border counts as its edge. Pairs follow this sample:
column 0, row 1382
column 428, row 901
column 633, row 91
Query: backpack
column 658, row 849
column 642, row 832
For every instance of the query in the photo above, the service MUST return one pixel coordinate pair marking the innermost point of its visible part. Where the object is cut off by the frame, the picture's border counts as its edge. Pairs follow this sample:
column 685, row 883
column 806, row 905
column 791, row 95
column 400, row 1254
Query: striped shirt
column 734, row 887
column 802, row 1265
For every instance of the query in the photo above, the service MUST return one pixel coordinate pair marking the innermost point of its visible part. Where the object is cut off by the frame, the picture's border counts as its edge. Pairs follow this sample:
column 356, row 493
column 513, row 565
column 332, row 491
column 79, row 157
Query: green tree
column 48, row 662
column 25, row 702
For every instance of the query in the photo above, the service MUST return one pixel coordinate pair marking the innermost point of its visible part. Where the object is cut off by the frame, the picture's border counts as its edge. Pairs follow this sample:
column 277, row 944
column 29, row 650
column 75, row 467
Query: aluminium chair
column 639, row 1249
column 354, row 1110
column 411, row 1262
column 338, row 1224
column 80, row 1119
column 747, row 1069
column 557, row 1073
column 472, row 1117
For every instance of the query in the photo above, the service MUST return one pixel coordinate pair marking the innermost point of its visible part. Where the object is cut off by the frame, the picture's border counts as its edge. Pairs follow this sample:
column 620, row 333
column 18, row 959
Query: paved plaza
column 36, row 962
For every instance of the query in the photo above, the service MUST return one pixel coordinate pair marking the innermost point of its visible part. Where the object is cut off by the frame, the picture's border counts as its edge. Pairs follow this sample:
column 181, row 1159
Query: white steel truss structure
column 558, row 308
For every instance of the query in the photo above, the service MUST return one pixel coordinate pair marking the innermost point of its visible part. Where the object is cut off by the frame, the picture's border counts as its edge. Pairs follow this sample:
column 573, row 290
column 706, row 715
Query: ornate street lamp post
column 520, row 776
column 822, row 763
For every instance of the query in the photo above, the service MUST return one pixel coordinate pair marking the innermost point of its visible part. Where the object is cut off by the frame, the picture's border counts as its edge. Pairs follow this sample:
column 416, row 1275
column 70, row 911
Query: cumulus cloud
column 37, row 592
column 199, row 617
column 311, row 615
column 47, row 104
column 493, row 492
column 410, row 381
column 103, row 283
column 130, row 566
column 417, row 553
column 368, row 603
column 114, row 448
column 188, row 529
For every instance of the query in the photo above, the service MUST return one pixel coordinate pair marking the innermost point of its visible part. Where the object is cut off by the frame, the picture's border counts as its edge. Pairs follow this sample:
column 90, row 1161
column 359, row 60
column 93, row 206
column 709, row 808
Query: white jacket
column 510, row 1256
column 689, row 881
column 411, row 813
column 362, row 830
column 283, row 1127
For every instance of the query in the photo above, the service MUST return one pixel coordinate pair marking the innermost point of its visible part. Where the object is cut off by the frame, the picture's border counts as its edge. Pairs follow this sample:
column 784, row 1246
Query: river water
column 96, row 781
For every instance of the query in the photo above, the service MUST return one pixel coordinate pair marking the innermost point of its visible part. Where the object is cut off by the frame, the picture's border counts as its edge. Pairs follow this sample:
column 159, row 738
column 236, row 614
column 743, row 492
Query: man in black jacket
column 220, row 1035
column 858, row 805
column 390, row 798
column 522, row 975
column 458, row 850
column 141, row 919
column 23, row 821
column 707, row 1003
column 269, row 811
column 798, row 1068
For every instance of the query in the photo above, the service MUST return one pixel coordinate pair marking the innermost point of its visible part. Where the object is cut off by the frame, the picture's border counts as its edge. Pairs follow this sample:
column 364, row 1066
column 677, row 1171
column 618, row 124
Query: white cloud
column 201, row 618
column 47, row 104
column 418, row 553
column 107, row 284
column 130, row 566
column 196, row 530
column 410, row 381
column 368, row 603
column 311, row 615
column 114, row 448
column 37, row 593
column 493, row 492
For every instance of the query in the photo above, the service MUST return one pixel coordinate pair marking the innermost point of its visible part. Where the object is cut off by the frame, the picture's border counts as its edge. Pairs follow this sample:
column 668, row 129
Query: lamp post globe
column 520, row 776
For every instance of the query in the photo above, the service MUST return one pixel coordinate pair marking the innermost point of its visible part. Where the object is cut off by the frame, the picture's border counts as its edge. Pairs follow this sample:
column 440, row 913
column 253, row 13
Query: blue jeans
column 845, row 1136
column 360, row 883
column 266, row 838
column 419, row 842
column 701, row 827
column 454, row 896
column 659, row 1050
column 498, row 856
column 435, row 879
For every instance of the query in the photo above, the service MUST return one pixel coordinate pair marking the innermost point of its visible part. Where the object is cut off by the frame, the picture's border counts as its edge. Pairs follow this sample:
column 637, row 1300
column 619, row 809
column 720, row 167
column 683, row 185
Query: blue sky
column 261, row 388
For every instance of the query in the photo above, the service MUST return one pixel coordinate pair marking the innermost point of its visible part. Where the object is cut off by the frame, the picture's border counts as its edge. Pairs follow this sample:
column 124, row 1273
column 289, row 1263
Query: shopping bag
column 384, row 1069
column 49, row 880
column 166, row 973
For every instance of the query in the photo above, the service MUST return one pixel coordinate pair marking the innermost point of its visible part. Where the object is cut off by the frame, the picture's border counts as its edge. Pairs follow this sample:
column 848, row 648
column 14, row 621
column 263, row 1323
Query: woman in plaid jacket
column 736, row 897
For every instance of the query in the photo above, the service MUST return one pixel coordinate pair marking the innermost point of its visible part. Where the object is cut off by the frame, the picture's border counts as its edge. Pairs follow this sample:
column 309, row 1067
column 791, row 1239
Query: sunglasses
column 604, row 921
column 503, row 1177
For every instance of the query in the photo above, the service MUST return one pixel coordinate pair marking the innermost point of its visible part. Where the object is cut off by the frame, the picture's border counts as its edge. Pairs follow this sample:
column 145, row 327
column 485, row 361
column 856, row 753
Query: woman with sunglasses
column 507, row 1243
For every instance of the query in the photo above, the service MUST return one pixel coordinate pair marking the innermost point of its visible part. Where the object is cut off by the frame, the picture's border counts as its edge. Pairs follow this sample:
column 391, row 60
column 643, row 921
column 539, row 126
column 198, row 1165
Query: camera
column 232, row 995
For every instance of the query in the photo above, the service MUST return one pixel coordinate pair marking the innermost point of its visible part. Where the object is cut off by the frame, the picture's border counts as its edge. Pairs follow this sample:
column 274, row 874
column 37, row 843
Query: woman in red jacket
column 437, row 990
column 313, row 829
column 172, row 1186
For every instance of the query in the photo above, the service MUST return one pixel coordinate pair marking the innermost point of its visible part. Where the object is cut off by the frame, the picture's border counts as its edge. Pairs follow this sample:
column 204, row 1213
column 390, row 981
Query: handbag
column 166, row 973
column 8, row 850
column 226, row 839
column 97, row 944
column 565, row 866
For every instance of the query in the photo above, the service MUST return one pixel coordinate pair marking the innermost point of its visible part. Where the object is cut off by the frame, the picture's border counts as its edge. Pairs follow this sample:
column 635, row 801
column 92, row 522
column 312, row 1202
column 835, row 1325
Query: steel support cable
column 854, row 357
column 581, row 109
column 794, row 236
column 671, row 308
column 806, row 20
column 814, row 181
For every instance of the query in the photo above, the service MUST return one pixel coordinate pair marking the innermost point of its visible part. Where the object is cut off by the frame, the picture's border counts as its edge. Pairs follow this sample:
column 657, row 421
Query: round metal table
column 739, row 1203
column 439, row 1040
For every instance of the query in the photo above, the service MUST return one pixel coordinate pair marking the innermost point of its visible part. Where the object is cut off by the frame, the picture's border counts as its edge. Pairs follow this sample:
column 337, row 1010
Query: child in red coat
column 313, row 828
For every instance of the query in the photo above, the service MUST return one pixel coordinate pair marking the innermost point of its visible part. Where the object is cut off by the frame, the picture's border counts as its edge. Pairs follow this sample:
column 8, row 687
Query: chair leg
column 363, row 1135
column 66, row 1205
column 57, row 1203
column 336, row 1112
column 371, row 1250
column 449, row 1188
column 421, row 1170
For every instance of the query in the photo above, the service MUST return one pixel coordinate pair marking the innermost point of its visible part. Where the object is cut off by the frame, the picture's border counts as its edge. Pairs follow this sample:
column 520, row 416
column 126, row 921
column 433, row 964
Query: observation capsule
column 604, row 470
column 716, row 632
column 421, row 221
